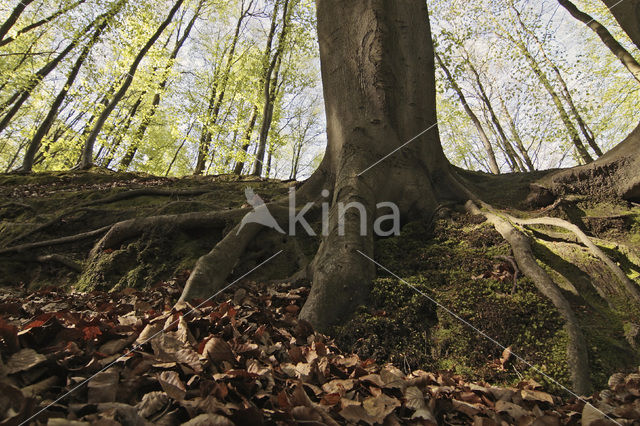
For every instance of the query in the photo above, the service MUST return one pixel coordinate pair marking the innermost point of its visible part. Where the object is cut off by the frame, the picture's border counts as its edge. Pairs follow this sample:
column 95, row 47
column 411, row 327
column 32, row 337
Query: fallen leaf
column 172, row 385
column 218, row 350
column 23, row 360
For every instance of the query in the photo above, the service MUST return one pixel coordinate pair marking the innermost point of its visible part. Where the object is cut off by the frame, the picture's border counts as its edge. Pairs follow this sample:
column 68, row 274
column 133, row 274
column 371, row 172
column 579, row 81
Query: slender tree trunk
column 41, row 22
column 516, row 137
column 515, row 161
column 45, row 126
column 269, row 89
column 146, row 121
column 21, row 96
column 13, row 17
column 493, row 164
column 218, row 95
column 122, row 131
column 557, row 101
column 616, row 48
column 87, row 152
column 566, row 93
column 246, row 140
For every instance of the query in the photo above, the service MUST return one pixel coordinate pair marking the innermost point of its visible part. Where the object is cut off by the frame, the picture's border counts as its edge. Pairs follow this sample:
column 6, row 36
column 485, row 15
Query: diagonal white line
column 485, row 335
column 84, row 382
column 398, row 149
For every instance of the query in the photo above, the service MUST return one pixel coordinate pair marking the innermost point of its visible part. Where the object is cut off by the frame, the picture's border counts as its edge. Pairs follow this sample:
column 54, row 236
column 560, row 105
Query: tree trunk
column 246, row 141
column 616, row 48
column 218, row 95
column 41, row 22
column 269, row 91
column 493, row 164
column 13, row 17
column 146, row 121
column 87, row 152
column 555, row 97
column 516, row 137
column 566, row 93
column 21, row 96
column 45, row 126
column 516, row 162
column 627, row 13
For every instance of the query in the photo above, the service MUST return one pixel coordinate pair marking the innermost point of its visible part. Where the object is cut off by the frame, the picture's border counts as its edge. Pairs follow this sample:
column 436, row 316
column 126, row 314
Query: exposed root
column 125, row 195
column 16, row 204
column 577, row 348
column 56, row 241
column 213, row 268
column 632, row 288
column 127, row 229
column 62, row 260
column 121, row 231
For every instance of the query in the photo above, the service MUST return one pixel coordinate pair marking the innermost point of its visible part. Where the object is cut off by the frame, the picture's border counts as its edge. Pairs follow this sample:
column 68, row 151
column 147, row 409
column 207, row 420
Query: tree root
column 125, row 195
column 62, row 260
column 56, row 241
column 632, row 288
column 127, row 229
column 213, row 268
column 120, row 231
column 577, row 348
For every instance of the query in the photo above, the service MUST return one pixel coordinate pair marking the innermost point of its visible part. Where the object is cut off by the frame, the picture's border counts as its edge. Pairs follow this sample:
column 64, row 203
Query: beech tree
column 381, row 55
column 379, row 85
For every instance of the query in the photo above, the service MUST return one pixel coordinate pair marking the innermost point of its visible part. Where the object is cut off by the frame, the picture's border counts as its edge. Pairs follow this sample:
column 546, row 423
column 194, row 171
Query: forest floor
column 244, row 356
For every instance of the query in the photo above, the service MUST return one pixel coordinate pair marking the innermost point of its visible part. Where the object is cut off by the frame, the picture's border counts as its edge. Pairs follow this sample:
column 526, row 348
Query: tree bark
column 493, row 164
column 627, row 13
column 87, row 152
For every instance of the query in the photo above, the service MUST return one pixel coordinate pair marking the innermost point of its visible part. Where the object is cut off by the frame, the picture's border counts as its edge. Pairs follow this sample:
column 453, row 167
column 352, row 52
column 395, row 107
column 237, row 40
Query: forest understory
column 58, row 236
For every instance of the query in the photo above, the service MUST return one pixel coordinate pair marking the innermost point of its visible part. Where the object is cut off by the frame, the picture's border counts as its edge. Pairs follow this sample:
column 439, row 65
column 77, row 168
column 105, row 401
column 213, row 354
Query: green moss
column 445, row 261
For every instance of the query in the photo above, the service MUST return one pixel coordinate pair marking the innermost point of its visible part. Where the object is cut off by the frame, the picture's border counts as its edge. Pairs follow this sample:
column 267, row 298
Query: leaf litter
column 244, row 360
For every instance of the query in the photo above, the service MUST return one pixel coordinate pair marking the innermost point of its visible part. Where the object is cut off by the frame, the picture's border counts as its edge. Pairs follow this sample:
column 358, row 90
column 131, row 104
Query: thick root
column 631, row 287
column 127, row 229
column 213, row 268
column 56, row 241
column 577, row 358
column 120, row 196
